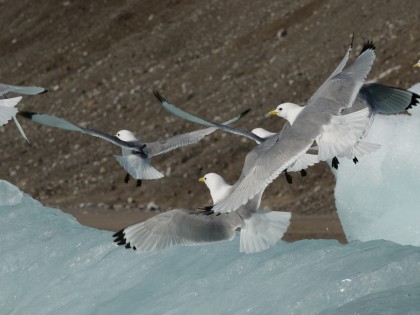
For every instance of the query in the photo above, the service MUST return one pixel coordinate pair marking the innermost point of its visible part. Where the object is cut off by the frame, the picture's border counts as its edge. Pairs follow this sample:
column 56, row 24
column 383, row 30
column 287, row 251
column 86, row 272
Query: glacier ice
column 379, row 197
column 50, row 264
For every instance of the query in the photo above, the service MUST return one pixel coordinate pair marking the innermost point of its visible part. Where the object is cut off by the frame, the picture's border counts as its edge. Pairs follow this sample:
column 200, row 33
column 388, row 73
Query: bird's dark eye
column 205, row 178
column 280, row 108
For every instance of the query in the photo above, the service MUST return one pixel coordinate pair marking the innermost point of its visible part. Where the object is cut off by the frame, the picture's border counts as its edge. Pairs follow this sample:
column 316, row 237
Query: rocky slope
column 102, row 59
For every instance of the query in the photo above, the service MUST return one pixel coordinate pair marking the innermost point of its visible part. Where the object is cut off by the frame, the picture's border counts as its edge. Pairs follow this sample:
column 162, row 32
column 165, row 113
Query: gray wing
column 336, row 71
column 384, row 99
column 60, row 123
column 195, row 119
column 172, row 143
column 337, row 93
column 264, row 166
column 26, row 90
column 179, row 227
column 341, row 90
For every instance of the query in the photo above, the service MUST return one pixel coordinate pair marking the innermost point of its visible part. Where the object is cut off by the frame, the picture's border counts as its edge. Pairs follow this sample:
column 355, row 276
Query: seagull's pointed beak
column 272, row 113
column 201, row 179
column 417, row 65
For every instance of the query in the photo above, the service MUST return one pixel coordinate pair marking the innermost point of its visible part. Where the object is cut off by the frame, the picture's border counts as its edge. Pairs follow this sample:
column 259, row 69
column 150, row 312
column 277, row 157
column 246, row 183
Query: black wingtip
column 43, row 92
column 368, row 45
column 245, row 112
column 118, row 233
column 206, row 209
column 415, row 99
column 119, row 237
column 27, row 115
column 159, row 97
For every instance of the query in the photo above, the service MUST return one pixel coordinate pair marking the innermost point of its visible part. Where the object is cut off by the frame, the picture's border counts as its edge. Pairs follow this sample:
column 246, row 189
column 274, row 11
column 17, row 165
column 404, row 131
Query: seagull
column 319, row 121
column 136, row 155
column 377, row 98
column 258, row 135
column 259, row 229
column 7, row 105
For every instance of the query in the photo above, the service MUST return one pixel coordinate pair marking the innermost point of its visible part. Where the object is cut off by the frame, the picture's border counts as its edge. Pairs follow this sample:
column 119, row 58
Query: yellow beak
column 201, row 179
column 417, row 65
column 272, row 113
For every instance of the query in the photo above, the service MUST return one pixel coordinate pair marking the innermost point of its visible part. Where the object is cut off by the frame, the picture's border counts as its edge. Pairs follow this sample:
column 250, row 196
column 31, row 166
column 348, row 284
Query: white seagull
column 136, row 155
column 7, row 105
column 259, row 135
column 259, row 229
column 321, row 121
column 377, row 98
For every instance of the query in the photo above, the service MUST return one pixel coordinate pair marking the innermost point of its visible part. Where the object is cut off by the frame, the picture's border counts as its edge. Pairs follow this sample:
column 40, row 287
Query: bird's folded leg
column 139, row 181
column 303, row 173
column 126, row 178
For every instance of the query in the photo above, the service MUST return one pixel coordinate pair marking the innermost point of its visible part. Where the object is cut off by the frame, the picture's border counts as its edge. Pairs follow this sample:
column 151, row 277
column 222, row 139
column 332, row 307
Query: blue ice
column 379, row 198
column 50, row 264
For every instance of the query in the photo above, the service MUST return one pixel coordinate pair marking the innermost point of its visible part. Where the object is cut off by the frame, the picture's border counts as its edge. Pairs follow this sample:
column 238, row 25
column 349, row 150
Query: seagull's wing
column 172, row 143
column 179, row 227
column 60, row 123
column 26, row 90
column 341, row 90
column 138, row 167
column 336, row 71
column 187, row 116
column 7, row 109
column 263, row 167
column 335, row 94
column 385, row 99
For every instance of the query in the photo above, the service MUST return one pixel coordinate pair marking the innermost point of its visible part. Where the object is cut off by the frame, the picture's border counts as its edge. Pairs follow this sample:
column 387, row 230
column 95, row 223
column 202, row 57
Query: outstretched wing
column 336, row 71
column 385, row 99
column 195, row 119
column 26, row 90
column 172, row 143
column 179, row 227
column 60, row 123
column 337, row 93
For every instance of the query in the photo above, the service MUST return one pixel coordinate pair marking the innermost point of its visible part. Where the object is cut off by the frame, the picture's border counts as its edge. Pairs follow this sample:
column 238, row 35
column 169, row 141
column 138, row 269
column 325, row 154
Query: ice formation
column 379, row 197
column 50, row 264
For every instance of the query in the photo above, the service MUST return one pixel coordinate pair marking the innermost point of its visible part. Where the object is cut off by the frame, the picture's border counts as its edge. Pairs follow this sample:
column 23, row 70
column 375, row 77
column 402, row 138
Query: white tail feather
column 138, row 167
column 262, row 230
column 342, row 134
column 7, row 109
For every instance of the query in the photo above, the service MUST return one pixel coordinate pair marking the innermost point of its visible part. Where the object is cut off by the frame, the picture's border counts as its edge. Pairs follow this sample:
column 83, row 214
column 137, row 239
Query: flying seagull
column 259, row 135
column 377, row 98
column 7, row 105
column 320, row 121
column 136, row 155
column 259, row 229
